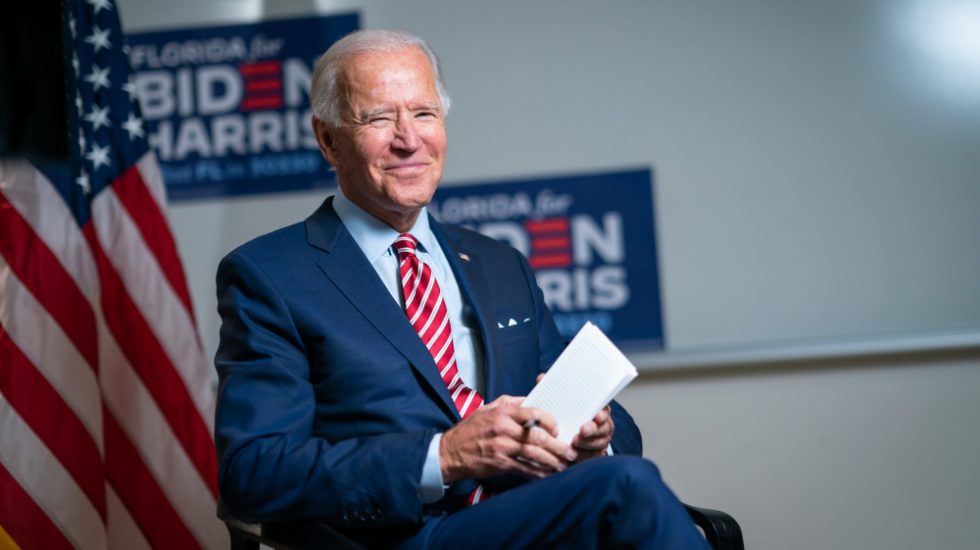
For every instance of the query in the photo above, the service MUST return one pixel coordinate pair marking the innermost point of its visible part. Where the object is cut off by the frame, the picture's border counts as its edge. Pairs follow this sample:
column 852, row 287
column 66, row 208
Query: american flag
column 106, row 402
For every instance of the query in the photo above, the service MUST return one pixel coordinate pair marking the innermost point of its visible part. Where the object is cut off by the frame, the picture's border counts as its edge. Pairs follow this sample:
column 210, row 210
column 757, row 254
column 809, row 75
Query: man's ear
column 325, row 138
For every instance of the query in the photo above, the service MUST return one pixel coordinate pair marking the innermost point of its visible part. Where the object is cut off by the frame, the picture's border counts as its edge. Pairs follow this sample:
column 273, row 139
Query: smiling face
column 390, row 148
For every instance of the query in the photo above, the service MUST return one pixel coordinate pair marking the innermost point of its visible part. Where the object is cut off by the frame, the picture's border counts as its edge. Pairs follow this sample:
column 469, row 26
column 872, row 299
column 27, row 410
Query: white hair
column 325, row 96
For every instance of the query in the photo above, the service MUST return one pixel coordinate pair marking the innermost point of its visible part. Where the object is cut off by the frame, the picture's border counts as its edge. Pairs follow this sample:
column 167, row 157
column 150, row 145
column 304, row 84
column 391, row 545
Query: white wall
column 857, row 454
column 767, row 108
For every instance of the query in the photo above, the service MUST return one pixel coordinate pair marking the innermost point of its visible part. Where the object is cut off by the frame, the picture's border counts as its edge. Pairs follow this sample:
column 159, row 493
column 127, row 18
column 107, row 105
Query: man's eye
column 379, row 120
column 425, row 115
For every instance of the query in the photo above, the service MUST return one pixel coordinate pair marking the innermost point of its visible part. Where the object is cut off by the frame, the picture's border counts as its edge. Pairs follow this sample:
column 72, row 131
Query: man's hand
column 595, row 436
column 493, row 440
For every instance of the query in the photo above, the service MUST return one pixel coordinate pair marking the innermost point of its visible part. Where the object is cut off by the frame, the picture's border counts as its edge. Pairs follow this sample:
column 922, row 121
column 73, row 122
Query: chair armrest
column 287, row 535
column 721, row 529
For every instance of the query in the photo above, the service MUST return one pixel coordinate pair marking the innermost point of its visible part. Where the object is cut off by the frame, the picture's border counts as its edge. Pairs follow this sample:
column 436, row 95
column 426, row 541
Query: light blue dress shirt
column 375, row 239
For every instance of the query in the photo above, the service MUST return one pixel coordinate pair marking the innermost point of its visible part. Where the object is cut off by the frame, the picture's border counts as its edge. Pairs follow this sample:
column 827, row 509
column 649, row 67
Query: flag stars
column 71, row 25
column 133, row 125
column 100, row 5
column 99, row 39
column 74, row 63
column 99, row 77
column 83, row 182
column 98, row 156
column 130, row 88
column 98, row 117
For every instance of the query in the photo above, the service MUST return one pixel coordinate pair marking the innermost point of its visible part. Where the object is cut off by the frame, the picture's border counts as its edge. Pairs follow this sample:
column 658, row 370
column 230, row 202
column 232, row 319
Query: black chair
column 720, row 529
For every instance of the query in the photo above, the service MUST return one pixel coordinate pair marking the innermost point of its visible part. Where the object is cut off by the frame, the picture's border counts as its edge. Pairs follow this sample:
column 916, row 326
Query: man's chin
column 413, row 196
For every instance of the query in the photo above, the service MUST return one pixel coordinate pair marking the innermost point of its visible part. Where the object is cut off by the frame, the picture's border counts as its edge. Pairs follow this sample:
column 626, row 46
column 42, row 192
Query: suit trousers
column 612, row 502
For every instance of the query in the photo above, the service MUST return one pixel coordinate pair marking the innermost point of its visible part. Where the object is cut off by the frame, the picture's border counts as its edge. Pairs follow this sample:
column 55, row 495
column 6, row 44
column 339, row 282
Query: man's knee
column 630, row 502
column 642, row 485
column 626, row 469
column 637, row 468
column 624, row 477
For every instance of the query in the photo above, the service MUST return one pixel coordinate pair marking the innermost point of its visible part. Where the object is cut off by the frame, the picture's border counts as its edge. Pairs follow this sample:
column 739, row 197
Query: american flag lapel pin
column 464, row 256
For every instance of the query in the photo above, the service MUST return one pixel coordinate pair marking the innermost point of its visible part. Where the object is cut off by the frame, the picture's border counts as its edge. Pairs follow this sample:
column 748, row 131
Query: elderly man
column 364, row 379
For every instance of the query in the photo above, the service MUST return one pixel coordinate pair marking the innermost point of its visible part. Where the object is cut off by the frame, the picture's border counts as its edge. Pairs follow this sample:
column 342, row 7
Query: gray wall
column 816, row 184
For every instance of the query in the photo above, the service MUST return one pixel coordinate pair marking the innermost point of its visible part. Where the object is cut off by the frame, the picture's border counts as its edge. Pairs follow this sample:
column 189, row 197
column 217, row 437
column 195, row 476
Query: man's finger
column 597, row 427
column 506, row 401
column 529, row 469
column 601, row 426
column 530, row 417
column 591, row 444
column 547, row 443
column 536, row 457
column 604, row 415
column 544, row 440
column 589, row 429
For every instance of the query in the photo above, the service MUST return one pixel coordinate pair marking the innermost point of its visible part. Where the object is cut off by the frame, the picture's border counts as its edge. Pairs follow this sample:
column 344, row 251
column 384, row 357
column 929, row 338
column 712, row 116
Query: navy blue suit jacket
column 328, row 399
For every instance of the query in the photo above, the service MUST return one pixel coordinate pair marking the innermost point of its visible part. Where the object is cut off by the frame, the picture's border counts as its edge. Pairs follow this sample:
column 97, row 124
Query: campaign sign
column 589, row 239
column 227, row 108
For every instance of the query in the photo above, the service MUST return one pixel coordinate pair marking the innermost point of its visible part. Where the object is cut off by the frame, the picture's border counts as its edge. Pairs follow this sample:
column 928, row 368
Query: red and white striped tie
column 426, row 311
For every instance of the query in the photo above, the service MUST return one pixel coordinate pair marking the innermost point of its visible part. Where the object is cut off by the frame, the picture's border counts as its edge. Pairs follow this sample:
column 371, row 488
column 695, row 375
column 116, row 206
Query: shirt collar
column 373, row 236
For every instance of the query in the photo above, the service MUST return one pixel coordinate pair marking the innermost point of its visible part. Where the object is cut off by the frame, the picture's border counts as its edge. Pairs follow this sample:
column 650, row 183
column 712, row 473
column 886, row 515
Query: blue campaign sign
column 227, row 108
column 589, row 239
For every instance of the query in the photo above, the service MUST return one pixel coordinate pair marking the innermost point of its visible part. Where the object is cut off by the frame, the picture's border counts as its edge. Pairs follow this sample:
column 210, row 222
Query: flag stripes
column 144, row 424
column 140, row 384
column 154, row 299
column 123, row 531
column 41, row 206
column 22, row 318
column 25, row 521
column 44, row 479
column 32, row 262
column 147, row 357
column 34, row 400
column 144, row 212
column 141, row 494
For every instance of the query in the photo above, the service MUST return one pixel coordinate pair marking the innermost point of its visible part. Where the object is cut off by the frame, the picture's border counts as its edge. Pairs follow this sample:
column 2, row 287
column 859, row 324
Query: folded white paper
column 585, row 378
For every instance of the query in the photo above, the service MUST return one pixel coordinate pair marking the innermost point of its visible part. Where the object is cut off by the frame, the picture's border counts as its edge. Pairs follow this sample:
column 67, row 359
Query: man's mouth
column 406, row 167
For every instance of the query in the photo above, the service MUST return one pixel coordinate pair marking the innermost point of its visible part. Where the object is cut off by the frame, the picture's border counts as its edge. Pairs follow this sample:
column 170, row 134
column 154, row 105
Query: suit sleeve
column 272, row 463
column 626, row 438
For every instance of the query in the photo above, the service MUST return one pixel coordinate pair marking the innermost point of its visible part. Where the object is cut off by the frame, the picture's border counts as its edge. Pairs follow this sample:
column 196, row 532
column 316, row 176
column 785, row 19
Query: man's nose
column 406, row 135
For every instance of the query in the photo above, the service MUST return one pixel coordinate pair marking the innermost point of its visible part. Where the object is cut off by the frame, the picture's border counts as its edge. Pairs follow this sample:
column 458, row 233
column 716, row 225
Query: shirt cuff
column 431, row 488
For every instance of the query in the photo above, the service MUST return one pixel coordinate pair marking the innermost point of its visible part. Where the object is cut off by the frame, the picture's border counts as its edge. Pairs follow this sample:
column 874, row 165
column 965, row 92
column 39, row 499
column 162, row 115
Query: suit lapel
column 351, row 272
column 470, row 275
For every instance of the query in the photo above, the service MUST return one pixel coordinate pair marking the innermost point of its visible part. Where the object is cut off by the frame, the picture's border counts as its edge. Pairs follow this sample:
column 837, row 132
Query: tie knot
column 405, row 245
